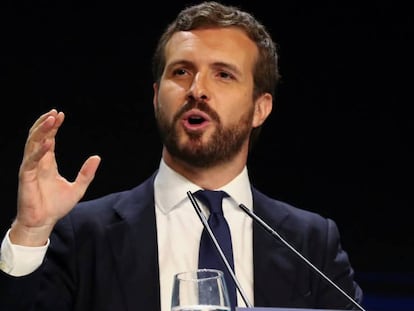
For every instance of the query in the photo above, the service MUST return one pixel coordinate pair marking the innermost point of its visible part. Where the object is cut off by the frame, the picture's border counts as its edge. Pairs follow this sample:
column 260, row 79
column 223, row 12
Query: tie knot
column 212, row 198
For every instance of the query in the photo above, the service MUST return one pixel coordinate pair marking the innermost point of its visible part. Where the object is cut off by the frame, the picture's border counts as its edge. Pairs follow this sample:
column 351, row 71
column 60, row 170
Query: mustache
column 201, row 105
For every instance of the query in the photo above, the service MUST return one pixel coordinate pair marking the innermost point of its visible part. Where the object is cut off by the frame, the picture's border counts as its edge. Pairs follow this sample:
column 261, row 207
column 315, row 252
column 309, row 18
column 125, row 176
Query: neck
column 211, row 178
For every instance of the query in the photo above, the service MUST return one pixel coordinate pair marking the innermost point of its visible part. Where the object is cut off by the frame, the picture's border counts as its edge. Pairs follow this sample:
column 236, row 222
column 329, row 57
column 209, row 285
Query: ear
column 155, row 96
column 262, row 108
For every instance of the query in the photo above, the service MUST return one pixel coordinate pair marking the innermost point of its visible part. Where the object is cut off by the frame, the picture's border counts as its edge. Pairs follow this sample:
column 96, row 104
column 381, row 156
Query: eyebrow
column 231, row 67
column 181, row 62
column 190, row 64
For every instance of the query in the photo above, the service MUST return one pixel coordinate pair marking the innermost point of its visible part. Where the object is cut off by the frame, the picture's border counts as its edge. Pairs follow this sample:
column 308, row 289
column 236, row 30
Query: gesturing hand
column 44, row 196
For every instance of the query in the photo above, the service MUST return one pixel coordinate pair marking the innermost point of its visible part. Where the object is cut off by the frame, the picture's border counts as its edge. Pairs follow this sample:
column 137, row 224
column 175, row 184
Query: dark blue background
column 339, row 141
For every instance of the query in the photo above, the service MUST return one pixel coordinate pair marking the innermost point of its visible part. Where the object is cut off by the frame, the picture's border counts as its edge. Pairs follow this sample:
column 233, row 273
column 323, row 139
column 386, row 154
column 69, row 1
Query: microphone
column 217, row 246
column 276, row 235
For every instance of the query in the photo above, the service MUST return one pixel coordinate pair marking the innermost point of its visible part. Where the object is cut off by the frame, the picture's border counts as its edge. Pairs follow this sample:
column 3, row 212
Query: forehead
column 228, row 43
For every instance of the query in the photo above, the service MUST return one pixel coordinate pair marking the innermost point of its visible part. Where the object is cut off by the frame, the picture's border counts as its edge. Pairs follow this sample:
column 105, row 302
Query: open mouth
column 195, row 119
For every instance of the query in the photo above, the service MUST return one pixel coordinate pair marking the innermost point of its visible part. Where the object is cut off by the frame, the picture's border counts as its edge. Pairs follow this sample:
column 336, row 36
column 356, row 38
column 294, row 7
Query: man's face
column 204, row 102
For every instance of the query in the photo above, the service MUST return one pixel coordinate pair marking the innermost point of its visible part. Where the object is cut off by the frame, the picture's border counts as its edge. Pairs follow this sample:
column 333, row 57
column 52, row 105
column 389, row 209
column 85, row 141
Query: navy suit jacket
column 103, row 256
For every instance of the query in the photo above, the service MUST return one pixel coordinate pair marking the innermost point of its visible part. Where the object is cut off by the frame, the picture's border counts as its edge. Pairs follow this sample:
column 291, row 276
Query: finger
column 43, row 117
column 46, row 126
column 41, row 138
column 86, row 174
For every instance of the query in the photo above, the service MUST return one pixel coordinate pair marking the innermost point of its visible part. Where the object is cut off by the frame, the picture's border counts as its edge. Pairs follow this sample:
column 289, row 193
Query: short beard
column 223, row 145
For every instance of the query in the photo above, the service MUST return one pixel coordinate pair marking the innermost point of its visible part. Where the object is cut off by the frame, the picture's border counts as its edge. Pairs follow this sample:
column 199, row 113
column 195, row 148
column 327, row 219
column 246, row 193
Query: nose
column 198, row 89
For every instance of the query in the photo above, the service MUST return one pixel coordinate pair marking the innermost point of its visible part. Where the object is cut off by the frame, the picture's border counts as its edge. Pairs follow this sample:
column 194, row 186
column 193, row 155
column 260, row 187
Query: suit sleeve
column 338, row 268
column 50, row 286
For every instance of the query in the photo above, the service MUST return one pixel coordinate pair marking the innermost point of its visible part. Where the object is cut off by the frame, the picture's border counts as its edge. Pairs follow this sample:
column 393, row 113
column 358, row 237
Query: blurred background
column 339, row 140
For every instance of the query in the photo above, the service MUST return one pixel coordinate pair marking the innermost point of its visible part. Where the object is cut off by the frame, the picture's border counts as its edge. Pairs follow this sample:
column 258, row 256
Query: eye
column 225, row 75
column 179, row 72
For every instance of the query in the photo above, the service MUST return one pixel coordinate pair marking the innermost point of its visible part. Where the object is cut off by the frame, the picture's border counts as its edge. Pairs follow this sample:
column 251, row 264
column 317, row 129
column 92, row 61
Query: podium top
column 282, row 309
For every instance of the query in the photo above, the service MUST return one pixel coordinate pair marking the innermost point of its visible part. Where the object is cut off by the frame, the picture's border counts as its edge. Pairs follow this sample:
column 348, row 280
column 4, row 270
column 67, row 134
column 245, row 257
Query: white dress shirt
column 179, row 231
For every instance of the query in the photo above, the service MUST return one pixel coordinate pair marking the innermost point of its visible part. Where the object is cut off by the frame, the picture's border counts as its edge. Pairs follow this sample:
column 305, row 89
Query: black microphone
column 217, row 246
column 276, row 235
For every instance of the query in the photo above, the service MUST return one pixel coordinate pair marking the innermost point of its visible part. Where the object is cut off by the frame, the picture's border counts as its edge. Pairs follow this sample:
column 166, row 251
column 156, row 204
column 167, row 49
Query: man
column 215, row 71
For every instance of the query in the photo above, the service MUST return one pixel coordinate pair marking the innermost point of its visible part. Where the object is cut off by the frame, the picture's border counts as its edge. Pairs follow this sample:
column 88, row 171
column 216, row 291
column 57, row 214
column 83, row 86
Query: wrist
column 29, row 236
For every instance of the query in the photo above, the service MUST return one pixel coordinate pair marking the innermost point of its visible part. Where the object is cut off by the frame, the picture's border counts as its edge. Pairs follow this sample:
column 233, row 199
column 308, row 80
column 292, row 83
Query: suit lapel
column 270, row 280
column 134, row 247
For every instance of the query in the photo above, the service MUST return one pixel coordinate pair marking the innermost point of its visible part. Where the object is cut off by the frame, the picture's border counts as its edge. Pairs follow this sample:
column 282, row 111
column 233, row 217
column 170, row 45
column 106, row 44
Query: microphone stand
column 217, row 246
column 277, row 235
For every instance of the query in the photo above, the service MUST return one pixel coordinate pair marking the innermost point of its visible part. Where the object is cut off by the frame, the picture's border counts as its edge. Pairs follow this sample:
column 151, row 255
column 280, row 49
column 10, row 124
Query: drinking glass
column 200, row 290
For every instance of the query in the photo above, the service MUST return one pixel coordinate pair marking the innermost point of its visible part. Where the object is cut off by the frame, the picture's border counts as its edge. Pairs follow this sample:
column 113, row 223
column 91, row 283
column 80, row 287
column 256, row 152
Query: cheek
column 169, row 100
column 241, row 110
column 170, row 95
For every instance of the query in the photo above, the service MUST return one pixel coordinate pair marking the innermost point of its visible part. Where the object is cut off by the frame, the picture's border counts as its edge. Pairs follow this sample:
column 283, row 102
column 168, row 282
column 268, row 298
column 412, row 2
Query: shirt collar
column 170, row 188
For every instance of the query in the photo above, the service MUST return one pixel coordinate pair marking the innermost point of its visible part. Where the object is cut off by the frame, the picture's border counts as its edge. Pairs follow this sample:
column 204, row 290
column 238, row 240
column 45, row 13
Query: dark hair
column 211, row 14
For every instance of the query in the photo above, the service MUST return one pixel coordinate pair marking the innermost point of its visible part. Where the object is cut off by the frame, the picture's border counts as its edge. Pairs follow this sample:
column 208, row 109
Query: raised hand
column 44, row 196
